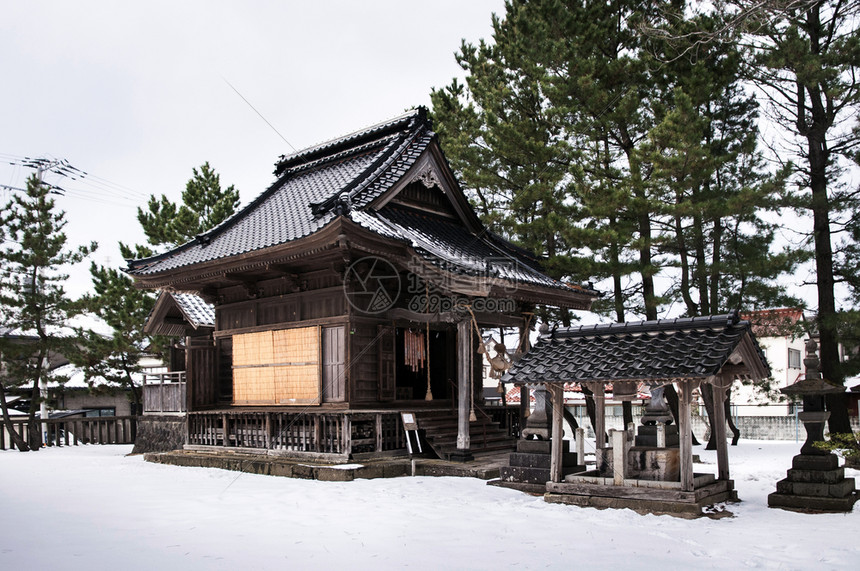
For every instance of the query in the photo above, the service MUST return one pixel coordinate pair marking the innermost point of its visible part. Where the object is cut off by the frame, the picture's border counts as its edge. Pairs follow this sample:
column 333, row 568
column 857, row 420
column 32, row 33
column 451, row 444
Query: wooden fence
column 73, row 431
column 164, row 392
column 508, row 418
column 343, row 434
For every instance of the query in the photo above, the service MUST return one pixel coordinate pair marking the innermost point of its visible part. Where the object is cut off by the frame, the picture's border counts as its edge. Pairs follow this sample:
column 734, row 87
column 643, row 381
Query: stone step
column 815, row 489
column 816, row 476
column 533, row 475
column 540, row 446
column 441, row 430
column 814, row 503
column 540, row 460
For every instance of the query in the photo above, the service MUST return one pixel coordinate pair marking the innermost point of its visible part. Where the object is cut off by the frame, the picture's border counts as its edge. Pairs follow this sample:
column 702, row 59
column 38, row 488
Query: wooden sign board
column 409, row 421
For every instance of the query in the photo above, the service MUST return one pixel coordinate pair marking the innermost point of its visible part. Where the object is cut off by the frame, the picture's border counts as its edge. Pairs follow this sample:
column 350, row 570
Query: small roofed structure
column 685, row 352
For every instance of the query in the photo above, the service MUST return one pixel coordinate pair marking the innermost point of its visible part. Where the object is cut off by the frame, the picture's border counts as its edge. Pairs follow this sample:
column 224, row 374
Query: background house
column 782, row 335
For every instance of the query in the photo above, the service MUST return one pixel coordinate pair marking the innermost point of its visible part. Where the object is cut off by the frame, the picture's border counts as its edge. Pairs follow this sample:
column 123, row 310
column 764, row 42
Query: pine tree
column 115, row 360
column 803, row 56
column 33, row 300
column 204, row 205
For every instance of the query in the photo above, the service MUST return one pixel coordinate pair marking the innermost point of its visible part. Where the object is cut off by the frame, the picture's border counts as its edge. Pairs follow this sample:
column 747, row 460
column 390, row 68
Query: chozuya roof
column 350, row 177
column 661, row 350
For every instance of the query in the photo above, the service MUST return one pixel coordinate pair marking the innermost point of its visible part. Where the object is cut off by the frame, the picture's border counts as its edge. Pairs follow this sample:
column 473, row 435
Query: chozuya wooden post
column 599, row 413
column 557, row 393
column 721, row 383
column 685, row 430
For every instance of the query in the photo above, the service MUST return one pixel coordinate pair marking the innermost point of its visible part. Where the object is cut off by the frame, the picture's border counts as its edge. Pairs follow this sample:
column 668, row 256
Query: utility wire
column 260, row 114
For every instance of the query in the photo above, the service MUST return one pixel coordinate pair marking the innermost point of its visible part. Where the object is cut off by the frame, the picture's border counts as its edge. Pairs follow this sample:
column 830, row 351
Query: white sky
column 135, row 94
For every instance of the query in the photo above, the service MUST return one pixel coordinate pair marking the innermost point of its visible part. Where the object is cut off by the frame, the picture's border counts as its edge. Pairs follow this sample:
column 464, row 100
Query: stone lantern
column 815, row 481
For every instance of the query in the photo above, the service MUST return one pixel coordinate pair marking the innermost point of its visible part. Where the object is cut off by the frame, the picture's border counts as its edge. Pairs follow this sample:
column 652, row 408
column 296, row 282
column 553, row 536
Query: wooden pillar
column 619, row 455
column 580, row 446
column 720, row 385
column 685, row 394
column 557, row 459
column 464, row 371
column 189, row 374
column 599, row 414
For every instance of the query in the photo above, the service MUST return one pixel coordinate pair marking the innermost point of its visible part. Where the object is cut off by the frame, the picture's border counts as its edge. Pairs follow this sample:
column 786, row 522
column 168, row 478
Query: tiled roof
column 196, row 311
column 451, row 246
column 353, row 170
column 673, row 349
column 573, row 393
column 774, row 322
column 343, row 177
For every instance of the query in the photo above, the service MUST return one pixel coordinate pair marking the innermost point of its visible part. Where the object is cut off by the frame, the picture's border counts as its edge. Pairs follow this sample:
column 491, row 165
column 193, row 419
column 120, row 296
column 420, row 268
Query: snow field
column 93, row 507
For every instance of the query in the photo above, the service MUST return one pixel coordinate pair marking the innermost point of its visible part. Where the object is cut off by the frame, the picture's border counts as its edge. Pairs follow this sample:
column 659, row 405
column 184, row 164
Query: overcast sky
column 137, row 94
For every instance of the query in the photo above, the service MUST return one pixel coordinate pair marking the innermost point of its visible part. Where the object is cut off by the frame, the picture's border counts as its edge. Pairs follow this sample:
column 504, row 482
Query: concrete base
column 814, row 483
column 461, row 456
column 485, row 468
column 643, row 500
column 815, row 504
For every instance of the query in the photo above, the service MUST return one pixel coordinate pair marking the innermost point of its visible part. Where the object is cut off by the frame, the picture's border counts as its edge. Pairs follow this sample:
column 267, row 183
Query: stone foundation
column 814, row 483
column 644, row 463
column 530, row 464
column 159, row 433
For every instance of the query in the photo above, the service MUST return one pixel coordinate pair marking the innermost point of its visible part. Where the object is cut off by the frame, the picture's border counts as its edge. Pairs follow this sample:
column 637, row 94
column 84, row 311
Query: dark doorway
column 412, row 384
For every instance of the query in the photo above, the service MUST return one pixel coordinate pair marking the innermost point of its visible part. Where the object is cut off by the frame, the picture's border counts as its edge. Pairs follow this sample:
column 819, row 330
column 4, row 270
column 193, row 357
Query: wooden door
column 334, row 363
column 387, row 379
column 201, row 373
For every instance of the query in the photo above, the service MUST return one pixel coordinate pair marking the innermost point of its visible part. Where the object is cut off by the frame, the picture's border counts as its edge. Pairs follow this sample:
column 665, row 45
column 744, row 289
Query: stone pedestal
column 530, row 465
column 646, row 435
column 814, row 483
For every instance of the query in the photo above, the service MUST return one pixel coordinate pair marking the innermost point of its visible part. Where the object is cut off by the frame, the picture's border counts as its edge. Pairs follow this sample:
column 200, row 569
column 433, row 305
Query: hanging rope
column 413, row 348
column 429, row 395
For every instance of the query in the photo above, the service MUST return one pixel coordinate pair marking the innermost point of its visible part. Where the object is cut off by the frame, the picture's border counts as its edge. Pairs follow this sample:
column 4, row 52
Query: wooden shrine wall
column 289, row 308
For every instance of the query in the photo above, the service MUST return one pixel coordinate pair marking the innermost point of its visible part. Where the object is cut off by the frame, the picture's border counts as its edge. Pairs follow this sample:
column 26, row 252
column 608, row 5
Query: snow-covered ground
column 93, row 507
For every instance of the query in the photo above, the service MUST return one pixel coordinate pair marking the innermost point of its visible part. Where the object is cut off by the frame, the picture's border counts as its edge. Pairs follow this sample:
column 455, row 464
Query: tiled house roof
column 344, row 177
column 191, row 309
column 774, row 322
column 668, row 349
column 196, row 311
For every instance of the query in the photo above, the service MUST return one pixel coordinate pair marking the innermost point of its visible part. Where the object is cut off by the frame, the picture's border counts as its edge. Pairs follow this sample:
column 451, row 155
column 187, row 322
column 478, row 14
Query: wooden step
column 441, row 429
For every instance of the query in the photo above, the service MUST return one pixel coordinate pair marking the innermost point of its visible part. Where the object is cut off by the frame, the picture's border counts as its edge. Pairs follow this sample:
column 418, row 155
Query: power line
column 108, row 191
column 260, row 114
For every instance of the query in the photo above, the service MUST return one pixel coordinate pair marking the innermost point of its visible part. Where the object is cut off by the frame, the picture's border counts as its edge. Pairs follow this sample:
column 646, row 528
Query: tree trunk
column 17, row 439
column 34, row 433
column 708, row 397
column 590, row 407
column 736, row 434
column 571, row 420
column 627, row 411
column 815, row 131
